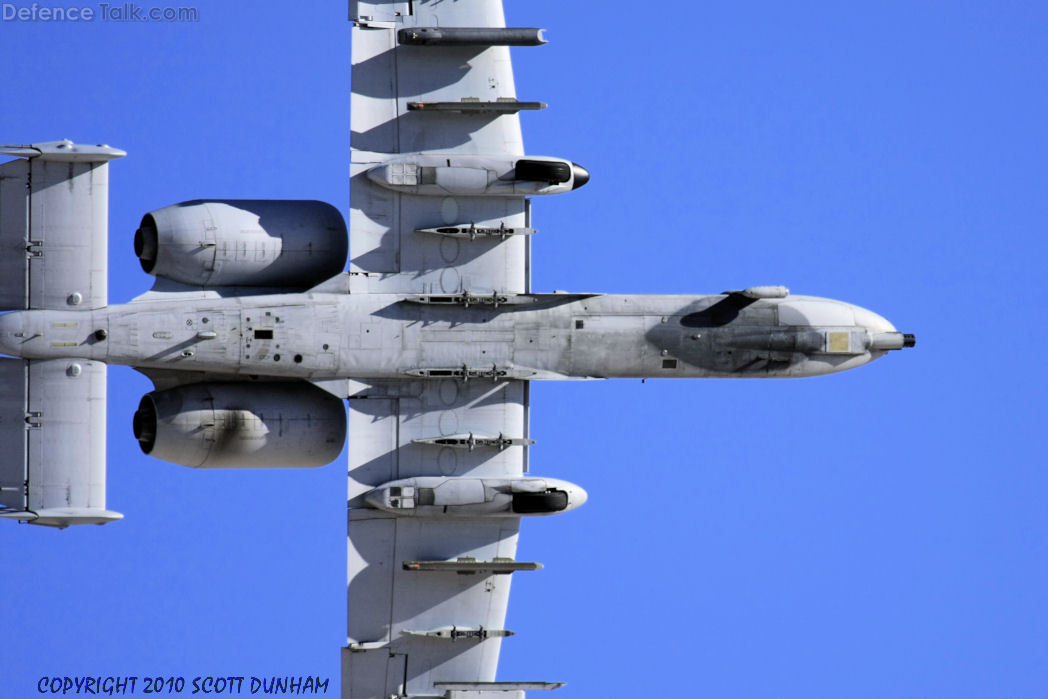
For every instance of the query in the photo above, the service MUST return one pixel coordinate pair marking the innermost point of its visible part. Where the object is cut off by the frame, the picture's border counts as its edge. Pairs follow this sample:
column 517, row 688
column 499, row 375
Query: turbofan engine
column 244, row 242
column 242, row 425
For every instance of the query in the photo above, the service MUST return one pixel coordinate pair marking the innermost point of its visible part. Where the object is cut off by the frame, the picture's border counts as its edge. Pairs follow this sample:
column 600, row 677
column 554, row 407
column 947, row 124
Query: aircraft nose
column 580, row 175
column 873, row 322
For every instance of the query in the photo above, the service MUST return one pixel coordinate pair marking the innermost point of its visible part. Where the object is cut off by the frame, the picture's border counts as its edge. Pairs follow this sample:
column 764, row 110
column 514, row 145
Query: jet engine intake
column 242, row 425
column 244, row 242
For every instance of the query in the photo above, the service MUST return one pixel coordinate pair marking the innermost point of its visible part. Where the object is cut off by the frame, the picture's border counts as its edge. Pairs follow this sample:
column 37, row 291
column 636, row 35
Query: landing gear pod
column 477, row 175
column 476, row 497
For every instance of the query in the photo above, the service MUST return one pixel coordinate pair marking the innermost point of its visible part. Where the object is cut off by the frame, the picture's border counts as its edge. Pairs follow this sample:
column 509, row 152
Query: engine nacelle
column 242, row 425
column 244, row 242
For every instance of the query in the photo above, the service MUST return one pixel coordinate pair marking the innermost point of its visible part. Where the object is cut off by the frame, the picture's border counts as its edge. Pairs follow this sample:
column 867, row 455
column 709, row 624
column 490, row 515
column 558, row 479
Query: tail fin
column 53, row 247
column 54, row 209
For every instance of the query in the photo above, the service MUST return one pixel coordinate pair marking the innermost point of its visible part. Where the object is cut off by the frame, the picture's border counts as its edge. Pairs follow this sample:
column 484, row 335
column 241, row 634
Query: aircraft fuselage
column 384, row 336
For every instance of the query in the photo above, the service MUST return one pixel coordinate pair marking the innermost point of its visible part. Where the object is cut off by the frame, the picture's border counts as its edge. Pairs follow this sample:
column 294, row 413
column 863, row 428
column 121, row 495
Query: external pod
column 476, row 497
column 477, row 175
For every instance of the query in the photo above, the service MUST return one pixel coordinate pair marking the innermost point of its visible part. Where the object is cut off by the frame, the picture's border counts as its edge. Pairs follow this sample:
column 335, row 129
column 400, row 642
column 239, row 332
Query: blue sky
column 881, row 533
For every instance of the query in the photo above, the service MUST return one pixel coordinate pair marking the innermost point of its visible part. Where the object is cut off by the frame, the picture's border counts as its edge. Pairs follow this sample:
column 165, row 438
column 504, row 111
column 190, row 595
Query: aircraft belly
column 326, row 343
column 477, row 347
column 167, row 339
column 223, row 325
column 370, row 363
column 610, row 345
column 326, row 336
column 531, row 344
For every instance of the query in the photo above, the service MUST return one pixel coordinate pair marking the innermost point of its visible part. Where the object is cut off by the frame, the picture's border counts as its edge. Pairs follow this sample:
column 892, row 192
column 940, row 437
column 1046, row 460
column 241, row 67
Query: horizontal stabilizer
column 53, row 442
column 54, row 210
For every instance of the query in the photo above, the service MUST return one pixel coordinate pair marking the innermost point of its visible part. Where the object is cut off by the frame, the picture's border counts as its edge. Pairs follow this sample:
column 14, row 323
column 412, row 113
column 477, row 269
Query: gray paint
column 432, row 335
column 385, row 336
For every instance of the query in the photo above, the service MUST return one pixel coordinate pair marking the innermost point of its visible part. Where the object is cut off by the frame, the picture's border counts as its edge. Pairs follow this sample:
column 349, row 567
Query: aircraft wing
column 427, row 597
column 448, row 99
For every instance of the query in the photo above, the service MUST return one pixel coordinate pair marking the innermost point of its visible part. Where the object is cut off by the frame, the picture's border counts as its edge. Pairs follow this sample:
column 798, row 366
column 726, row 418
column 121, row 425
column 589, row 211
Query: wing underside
column 410, row 99
column 422, row 606
column 427, row 596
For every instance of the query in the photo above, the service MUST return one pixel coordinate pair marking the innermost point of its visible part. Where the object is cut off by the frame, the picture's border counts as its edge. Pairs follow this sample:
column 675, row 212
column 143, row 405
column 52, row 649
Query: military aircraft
column 253, row 336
